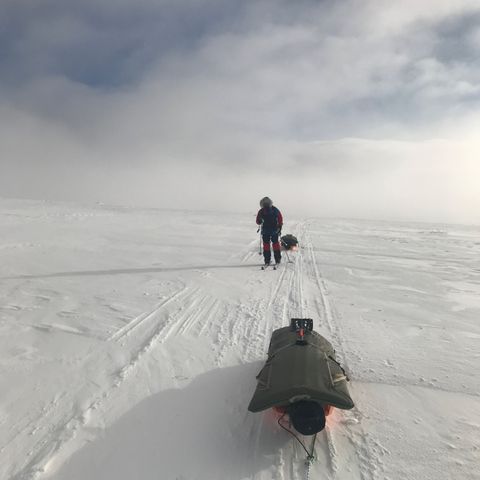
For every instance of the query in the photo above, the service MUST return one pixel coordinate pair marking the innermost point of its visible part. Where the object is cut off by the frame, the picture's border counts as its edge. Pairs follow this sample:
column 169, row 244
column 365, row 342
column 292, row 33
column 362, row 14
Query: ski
column 264, row 267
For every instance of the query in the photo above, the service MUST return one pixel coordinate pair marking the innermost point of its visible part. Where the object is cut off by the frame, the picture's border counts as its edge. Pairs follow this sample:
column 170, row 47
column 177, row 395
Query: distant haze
column 355, row 109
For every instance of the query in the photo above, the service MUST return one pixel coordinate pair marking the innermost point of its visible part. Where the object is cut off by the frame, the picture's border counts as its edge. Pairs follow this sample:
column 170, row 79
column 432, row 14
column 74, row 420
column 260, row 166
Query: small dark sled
column 289, row 242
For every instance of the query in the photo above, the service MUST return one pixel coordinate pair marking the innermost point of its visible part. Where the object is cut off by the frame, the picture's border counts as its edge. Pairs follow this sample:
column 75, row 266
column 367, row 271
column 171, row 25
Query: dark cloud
column 458, row 39
column 101, row 44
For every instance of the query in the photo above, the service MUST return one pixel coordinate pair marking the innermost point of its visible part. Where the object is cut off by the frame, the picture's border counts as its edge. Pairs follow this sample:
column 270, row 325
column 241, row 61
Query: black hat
column 266, row 202
column 307, row 417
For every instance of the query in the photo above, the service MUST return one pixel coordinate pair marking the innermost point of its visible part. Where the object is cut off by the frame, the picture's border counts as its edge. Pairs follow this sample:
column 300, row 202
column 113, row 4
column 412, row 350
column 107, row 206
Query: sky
column 367, row 109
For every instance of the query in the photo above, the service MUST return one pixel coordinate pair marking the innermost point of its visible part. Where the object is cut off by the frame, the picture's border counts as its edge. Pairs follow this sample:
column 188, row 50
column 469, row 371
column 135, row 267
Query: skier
column 301, row 378
column 271, row 220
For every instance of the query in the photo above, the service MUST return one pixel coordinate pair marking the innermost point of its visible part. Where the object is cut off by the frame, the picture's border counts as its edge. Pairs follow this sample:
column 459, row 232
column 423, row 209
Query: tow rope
column 310, row 454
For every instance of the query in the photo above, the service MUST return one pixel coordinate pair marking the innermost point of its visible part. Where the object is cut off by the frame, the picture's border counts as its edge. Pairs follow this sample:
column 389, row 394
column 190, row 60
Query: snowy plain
column 130, row 340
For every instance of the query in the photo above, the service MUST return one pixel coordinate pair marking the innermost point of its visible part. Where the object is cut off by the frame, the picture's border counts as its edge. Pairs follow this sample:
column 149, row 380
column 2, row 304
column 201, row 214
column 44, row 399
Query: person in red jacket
column 271, row 220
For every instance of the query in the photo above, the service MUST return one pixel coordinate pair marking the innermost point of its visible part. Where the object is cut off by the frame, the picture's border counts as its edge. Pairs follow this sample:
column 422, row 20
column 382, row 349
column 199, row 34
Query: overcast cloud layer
column 338, row 108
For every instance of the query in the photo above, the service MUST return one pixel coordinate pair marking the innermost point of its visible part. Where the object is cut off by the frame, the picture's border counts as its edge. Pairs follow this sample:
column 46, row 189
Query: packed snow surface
column 130, row 340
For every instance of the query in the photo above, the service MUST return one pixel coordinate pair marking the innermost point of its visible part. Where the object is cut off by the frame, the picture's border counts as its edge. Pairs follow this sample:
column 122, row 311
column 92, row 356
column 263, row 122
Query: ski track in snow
column 143, row 317
column 327, row 316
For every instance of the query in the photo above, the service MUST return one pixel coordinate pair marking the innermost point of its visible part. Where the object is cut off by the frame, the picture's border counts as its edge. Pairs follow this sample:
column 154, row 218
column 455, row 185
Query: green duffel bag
column 301, row 366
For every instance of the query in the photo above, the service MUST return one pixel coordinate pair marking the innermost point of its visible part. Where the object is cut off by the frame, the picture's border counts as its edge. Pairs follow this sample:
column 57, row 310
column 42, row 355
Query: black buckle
column 301, row 326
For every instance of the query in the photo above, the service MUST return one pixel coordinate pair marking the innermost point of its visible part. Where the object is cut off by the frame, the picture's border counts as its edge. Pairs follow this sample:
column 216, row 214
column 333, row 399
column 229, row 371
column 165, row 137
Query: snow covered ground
column 130, row 340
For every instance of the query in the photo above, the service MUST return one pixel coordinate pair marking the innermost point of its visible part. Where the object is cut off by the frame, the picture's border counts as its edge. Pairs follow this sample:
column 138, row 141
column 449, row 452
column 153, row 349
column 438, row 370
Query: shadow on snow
column 201, row 431
column 124, row 271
